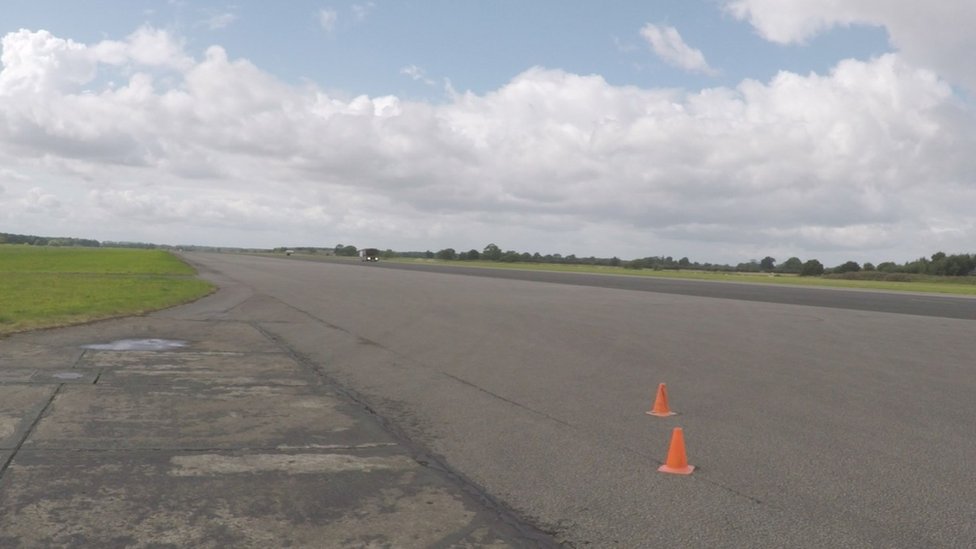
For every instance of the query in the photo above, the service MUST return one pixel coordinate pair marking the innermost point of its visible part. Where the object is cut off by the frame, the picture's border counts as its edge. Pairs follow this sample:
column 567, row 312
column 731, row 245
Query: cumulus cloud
column 870, row 161
column 937, row 35
column 667, row 44
column 328, row 18
column 38, row 201
column 7, row 174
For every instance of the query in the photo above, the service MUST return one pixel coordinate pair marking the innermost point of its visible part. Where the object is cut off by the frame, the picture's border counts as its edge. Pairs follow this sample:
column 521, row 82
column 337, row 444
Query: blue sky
column 478, row 46
column 722, row 130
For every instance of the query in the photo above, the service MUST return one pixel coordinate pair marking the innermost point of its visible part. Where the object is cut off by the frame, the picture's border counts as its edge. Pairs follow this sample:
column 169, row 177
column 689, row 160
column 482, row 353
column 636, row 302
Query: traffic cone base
column 661, row 414
column 686, row 470
column 661, row 408
column 677, row 462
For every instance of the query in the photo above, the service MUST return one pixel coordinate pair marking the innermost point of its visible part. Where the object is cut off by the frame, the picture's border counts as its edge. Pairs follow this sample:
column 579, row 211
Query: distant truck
column 369, row 254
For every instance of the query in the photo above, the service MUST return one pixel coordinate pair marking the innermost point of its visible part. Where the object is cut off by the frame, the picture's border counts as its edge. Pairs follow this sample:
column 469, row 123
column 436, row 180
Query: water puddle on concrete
column 138, row 345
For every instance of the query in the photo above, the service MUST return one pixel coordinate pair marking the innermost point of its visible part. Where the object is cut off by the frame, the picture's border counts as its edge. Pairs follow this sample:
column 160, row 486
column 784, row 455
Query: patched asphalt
column 224, row 440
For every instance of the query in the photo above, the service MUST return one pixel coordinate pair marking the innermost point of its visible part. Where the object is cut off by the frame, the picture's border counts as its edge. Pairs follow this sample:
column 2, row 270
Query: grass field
column 42, row 287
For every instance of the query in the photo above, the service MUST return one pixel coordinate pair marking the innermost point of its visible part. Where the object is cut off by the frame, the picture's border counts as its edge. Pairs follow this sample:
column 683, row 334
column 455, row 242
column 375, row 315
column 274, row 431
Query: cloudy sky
column 721, row 130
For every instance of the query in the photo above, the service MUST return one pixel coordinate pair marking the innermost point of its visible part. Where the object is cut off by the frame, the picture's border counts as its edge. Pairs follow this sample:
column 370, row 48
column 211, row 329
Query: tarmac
column 194, row 427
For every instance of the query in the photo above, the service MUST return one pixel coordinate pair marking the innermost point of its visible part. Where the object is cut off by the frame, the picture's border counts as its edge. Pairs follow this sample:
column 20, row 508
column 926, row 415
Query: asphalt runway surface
column 816, row 418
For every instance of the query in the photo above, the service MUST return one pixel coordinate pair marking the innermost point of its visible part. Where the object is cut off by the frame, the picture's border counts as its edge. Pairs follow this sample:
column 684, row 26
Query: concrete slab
column 183, row 367
column 200, row 336
column 61, row 348
column 16, row 375
column 45, row 376
column 29, row 351
column 19, row 407
column 380, row 499
column 104, row 417
column 226, row 442
column 64, row 376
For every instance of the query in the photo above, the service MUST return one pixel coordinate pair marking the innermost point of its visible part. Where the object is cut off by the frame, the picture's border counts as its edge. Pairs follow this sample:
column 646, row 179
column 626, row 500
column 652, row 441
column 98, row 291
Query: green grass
column 42, row 287
column 929, row 284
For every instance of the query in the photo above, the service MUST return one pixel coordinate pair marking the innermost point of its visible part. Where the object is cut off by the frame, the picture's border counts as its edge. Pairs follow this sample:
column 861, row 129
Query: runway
column 816, row 418
column 877, row 301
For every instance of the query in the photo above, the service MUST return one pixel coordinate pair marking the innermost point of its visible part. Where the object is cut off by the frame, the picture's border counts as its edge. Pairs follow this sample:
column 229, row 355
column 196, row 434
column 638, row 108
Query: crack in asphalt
column 425, row 457
column 29, row 431
column 503, row 399
column 508, row 516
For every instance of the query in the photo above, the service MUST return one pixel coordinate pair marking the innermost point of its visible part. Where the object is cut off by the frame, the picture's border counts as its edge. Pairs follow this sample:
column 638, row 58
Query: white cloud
column 937, row 35
column 667, row 44
column 220, row 20
column 328, row 18
column 37, row 201
column 7, row 174
column 362, row 10
column 869, row 162
column 156, row 47
column 418, row 74
column 37, row 61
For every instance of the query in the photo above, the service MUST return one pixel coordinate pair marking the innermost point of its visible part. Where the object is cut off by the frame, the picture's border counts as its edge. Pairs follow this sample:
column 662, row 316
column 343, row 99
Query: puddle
column 138, row 345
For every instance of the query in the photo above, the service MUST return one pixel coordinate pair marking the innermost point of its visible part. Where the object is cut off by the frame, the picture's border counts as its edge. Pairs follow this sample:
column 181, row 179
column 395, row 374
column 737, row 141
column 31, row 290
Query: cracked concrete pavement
column 226, row 441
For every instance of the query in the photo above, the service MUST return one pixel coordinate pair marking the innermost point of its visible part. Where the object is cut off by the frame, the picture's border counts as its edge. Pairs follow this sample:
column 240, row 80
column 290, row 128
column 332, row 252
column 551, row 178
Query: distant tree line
column 940, row 264
column 33, row 240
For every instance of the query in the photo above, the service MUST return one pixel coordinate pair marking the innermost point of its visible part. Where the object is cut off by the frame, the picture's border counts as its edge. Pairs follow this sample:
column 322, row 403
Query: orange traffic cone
column 661, row 403
column 677, row 462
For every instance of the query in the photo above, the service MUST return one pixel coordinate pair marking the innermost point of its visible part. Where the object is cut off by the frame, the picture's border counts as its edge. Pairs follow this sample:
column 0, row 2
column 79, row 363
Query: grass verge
column 922, row 284
column 44, row 287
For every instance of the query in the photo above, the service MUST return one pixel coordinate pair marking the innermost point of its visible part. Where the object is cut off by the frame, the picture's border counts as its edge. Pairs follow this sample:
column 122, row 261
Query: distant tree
column 767, row 264
column 959, row 265
column 510, row 256
column 684, row 263
column 887, row 267
column 474, row 255
column 614, row 261
column 429, row 254
column 791, row 265
column 919, row 266
column 751, row 267
column 347, row 251
column 812, row 268
column 492, row 252
column 446, row 253
column 848, row 267
column 868, row 266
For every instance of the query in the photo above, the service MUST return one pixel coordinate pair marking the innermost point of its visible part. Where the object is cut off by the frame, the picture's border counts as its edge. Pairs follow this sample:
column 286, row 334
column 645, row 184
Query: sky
column 719, row 130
